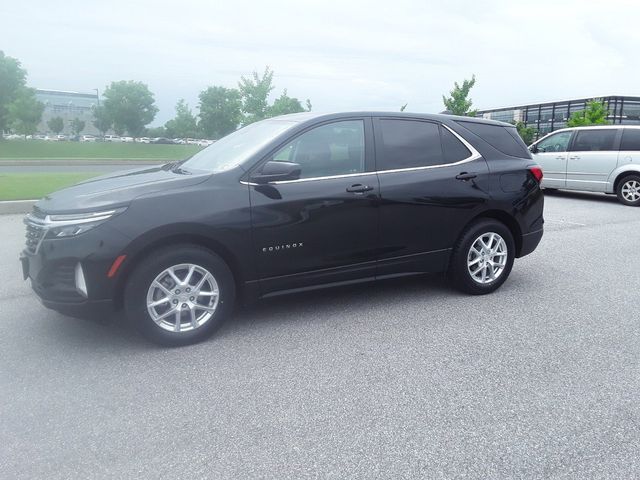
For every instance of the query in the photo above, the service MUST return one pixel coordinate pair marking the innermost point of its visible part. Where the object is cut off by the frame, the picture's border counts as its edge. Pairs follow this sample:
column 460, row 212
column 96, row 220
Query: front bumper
column 69, row 275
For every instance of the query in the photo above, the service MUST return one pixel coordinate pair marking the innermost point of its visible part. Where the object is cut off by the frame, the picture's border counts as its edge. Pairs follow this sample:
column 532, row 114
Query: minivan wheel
column 179, row 295
column 482, row 258
column 628, row 190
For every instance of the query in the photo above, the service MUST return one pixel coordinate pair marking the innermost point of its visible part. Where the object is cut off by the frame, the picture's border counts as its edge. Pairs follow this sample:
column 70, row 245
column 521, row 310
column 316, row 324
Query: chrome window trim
column 475, row 155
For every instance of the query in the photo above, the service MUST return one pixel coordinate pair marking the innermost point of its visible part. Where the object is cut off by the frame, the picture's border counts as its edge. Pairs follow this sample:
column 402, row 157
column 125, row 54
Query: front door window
column 328, row 150
column 558, row 142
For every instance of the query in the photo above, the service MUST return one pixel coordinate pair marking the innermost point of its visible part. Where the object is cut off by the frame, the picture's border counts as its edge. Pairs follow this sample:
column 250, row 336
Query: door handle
column 561, row 158
column 465, row 176
column 359, row 188
column 574, row 158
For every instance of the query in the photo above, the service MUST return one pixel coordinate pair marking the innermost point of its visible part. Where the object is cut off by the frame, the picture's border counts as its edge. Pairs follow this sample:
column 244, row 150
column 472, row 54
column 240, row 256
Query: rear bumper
column 530, row 241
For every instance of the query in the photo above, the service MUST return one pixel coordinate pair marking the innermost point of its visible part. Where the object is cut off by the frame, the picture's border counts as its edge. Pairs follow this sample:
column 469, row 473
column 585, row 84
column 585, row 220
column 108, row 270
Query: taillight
column 537, row 172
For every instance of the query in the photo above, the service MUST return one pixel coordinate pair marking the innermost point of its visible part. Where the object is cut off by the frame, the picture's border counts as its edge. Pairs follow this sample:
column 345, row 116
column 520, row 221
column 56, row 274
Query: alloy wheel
column 487, row 258
column 631, row 190
column 183, row 297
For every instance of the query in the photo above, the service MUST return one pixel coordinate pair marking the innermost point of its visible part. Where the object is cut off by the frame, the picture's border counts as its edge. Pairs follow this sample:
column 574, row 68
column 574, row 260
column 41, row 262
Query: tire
column 492, row 232
column 198, row 315
column 628, row 190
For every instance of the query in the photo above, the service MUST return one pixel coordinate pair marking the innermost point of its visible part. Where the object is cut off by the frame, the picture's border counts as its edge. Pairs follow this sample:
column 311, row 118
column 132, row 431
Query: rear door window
column 630, row 139
column 408, row 144
column 594, row 140
column 505, row 139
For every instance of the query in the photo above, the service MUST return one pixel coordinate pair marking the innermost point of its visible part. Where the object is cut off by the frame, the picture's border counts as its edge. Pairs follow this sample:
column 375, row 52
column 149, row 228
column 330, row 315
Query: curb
column 16, row 206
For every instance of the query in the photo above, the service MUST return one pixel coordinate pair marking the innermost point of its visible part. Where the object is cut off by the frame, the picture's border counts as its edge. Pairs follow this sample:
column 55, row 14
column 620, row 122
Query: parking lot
column 404, row 378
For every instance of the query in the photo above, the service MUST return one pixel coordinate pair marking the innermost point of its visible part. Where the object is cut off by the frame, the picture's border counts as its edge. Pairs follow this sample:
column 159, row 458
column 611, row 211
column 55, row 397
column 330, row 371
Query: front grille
column 34, row 234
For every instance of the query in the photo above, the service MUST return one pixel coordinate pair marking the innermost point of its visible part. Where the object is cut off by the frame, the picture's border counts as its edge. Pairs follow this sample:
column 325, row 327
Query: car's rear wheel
column 628, row 190
column 179, row 295
column 482, row 258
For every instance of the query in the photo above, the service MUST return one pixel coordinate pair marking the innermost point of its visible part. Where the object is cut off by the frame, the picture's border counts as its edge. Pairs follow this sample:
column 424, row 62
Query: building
column 67, row 105
column 549, row 116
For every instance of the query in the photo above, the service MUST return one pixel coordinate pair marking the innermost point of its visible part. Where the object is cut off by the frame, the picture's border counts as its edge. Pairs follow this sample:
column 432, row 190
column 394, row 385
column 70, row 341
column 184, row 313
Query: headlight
column 59, row 226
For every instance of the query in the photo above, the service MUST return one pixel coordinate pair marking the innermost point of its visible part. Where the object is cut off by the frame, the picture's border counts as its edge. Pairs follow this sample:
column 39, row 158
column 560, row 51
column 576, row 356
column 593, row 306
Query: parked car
column 88, row 138
column 62, row 138
column 162, row 141
column 112, row 138
column 126, row 139
column 179, row 141
column 598, row 159
column 288, row 204
column 144, row 140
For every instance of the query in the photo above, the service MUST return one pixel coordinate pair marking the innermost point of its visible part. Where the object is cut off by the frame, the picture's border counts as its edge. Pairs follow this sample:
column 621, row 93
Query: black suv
column 284, row 205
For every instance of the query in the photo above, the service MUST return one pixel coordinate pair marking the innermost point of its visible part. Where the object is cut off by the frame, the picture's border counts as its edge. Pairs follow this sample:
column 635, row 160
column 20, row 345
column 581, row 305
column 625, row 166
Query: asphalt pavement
column 399, row 379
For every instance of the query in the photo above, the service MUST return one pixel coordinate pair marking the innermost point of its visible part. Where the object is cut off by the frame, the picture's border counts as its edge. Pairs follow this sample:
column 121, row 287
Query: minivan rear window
column 630, row 139
column 505, row 139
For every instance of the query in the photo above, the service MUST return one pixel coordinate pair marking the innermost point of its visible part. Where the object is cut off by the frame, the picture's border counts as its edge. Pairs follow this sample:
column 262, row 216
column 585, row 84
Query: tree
column 595, row 114
column 12, row 82
column 101, row 119
column 77, row 126
column 458, row 103
column 184, row 124
column 130, row 105
column 526, row 133
column 56, row 125
column 155, row 132
column 220, row 111
column 25, row 112
column 255, row 93
column 285, row 104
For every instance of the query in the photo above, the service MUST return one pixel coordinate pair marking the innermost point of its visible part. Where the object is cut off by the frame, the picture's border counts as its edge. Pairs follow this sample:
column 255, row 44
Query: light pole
column 97, row 96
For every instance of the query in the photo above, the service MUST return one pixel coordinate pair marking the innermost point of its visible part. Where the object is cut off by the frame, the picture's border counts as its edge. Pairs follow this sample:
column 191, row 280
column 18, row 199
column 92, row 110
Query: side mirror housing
column 533, row 148
column 276, row 171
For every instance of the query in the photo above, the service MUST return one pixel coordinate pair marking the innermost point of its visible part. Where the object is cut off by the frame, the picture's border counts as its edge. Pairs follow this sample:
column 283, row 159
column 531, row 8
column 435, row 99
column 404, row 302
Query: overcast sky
column 343, row 55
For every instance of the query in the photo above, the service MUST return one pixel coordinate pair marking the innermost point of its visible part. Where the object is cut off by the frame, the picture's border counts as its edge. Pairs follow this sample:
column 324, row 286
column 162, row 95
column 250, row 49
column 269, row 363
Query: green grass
column 40, row 149
column 28, row 186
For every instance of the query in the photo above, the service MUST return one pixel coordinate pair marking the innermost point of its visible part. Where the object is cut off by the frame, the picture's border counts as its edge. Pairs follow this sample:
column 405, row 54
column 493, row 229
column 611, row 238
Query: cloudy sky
column 343, row 55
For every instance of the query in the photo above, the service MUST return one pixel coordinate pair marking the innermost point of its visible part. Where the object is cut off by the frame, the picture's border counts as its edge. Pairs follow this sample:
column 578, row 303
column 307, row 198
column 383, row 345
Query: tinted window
column 332, row 149
column 452, row 148
column 594, row 140
column 408, row 144
column 630, row 139
column 558, row 142
column 505, row 139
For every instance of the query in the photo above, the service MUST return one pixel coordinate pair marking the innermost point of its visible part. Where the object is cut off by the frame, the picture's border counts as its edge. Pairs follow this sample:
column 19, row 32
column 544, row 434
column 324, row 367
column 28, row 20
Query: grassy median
column 27, row 186
column 40, row 149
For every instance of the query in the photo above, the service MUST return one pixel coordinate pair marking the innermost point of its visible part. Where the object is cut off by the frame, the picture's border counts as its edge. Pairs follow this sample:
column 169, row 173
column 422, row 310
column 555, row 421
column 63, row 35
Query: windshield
column 237, row 147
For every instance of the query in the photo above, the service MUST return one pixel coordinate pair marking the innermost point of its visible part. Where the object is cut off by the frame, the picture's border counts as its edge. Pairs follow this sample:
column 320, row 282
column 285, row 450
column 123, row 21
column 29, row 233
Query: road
column 400, row 379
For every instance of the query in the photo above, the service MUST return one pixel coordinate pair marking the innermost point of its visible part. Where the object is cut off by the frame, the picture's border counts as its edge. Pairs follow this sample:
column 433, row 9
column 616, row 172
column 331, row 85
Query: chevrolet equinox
column 285, row 205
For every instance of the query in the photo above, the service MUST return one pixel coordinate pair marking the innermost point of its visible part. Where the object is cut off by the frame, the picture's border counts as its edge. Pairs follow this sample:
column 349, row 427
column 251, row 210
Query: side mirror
column 277, row 171
column 533, row 148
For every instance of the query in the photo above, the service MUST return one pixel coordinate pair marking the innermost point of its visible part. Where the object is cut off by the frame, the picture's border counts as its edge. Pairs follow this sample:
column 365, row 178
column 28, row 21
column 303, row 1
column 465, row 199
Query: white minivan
column 602, row 158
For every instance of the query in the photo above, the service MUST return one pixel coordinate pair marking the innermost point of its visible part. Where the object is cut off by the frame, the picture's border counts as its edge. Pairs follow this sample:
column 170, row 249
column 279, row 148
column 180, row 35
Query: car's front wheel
column 179, row 294
column 482, row 258
column 628, row 190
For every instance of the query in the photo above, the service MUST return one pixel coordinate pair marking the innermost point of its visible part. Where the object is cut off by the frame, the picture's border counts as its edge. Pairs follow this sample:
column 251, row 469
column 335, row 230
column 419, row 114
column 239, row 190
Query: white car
column 598, row 159
column 126, row 139
column 144, row 140
column 88, row 138
column 112, row 138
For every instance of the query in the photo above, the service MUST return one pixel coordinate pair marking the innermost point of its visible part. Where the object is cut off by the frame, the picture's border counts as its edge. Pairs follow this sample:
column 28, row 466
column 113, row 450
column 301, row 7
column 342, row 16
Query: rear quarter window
column 504, row 139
